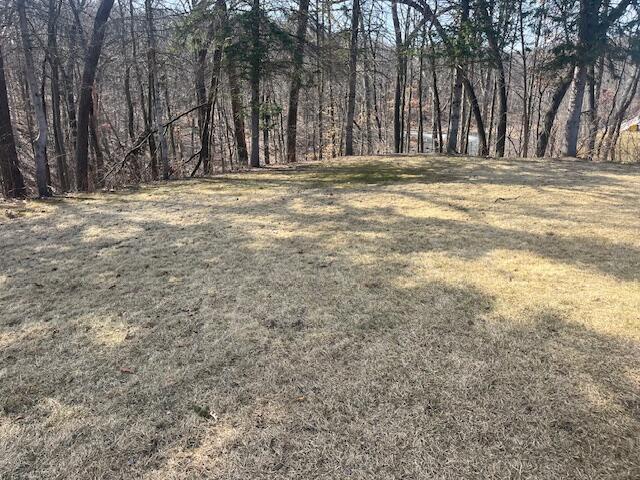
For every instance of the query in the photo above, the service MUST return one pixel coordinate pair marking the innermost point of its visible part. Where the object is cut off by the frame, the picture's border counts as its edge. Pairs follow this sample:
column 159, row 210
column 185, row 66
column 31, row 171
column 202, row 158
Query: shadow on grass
column 315, row 364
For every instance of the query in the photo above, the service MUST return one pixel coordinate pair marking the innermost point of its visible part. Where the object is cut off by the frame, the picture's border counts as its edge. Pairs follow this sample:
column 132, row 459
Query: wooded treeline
column 96, row 93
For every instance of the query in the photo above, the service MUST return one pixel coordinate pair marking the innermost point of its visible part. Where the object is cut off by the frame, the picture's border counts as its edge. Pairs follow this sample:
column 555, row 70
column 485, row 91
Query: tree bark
column 236, row 112
column 296, row 80
column 12, row 181
column 154, row 94
column 54, row 63
column 353, row 60
column 576, row 98
column 86, row 89
column 254, row 81
column 36, row 102
column 496, row 57
column 550, row 115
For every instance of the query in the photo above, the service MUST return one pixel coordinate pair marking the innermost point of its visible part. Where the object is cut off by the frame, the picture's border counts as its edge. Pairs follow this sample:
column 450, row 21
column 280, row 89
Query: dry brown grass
column 373, row 318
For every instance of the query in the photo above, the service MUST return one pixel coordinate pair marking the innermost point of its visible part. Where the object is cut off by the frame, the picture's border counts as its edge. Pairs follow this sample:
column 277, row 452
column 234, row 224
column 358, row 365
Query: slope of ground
column 398, row 317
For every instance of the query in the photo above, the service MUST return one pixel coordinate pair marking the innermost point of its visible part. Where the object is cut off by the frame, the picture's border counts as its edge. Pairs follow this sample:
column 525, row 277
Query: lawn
column 385, row 318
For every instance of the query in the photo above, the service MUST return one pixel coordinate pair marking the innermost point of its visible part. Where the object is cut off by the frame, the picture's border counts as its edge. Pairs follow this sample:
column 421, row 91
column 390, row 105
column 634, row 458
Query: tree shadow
column 314, row 362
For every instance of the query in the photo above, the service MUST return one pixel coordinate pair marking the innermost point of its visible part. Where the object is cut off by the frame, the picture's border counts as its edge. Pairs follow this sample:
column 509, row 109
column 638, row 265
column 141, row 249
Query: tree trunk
column 144, row 102
column 496, row 57
column 575, row 110
column 591, row 34
column 95, row 145
column 296, row 80
column 154, row 87
column 456, row 97
column 86, row 88
column 367, row 95
column 550, row 116
column 254, row 81
column 501, row 131
column 595, row 83
column 353, row 59
column 483, row 149
column 236, row 112
column 612, row 136
column 54, row 63
column 12, row 181
column 37, row 103
column 454, row 117
column 436, row 131
column 401, row 72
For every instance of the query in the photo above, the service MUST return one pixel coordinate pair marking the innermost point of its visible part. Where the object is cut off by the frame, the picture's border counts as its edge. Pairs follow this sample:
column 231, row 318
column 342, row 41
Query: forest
column 320, row 239
column 100, row 94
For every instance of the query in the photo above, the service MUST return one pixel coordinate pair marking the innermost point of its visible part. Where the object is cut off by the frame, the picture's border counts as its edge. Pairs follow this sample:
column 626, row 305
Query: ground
column 376, row 318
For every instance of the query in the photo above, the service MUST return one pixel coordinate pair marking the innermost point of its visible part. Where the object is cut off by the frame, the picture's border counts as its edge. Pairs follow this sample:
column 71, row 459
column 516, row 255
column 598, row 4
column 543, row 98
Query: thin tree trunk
column 401, row 71
column 320, row 44
column 154, row 90
column 595, row 83
column 296, row 80
column 483, row 149
column 95, row 145
column 454, row 117
column 436, row 132
column 613, row 134
column 353, row 59
column 254, row 81
column 54, row 63
column 128, row 95
column 420, row 98
column 367, row 94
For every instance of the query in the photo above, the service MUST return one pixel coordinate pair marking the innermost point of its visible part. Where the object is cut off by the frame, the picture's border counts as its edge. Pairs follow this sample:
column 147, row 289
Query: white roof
column 629, row 123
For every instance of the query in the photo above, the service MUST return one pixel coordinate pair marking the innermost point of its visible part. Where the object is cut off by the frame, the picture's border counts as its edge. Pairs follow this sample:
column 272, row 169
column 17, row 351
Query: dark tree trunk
column 12, row 181
column 454, row 117
column 254, row 81
column 86, row 88
column 351, row 96
column 496, row 59
column 550, row 115
column 296, row 80
column 483, row 148
column 501, row 131
column 401, row 72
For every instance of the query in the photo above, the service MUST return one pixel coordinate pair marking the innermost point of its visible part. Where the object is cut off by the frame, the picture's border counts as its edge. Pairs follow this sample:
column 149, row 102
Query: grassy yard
column 405, row 317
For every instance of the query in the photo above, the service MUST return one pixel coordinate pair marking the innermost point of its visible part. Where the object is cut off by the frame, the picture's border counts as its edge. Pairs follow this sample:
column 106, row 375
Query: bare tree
column 296, row 79
column 353, row 60
column 12, row 181
column 86, row 93
column 42, row 170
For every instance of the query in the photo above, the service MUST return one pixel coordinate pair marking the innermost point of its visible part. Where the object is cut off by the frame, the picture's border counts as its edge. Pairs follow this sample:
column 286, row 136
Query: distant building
column 631, row 125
